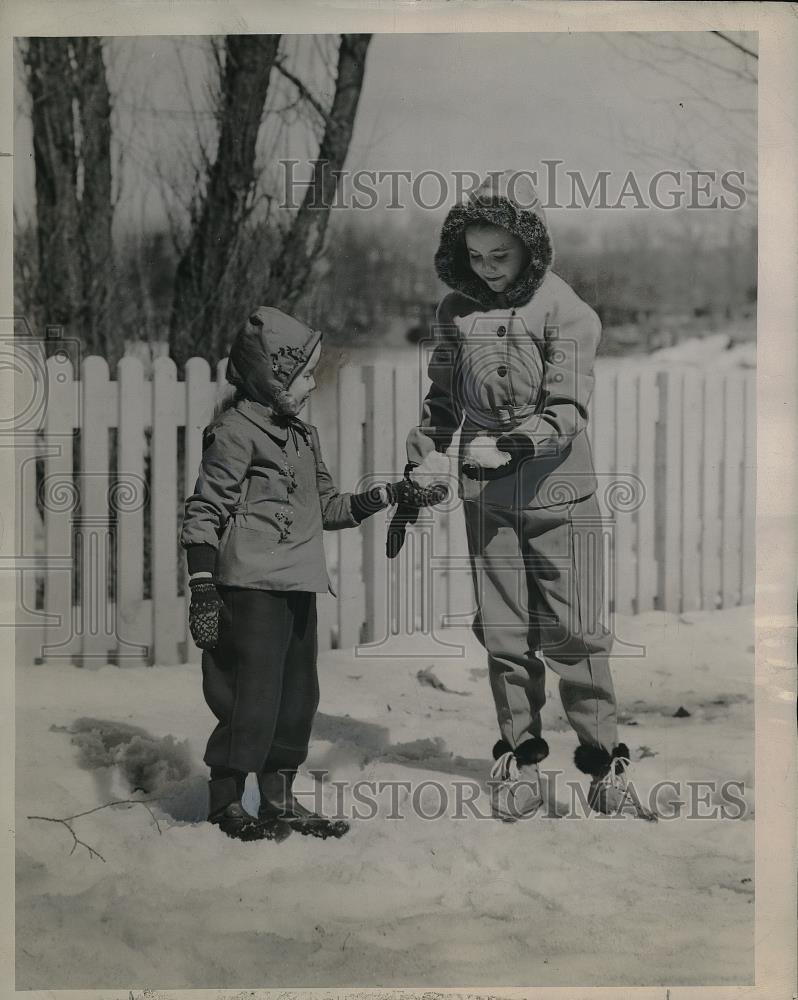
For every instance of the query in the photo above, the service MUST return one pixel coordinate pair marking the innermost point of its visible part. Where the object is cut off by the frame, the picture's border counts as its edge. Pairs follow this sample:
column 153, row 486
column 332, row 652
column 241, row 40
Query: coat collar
column 263, row 418
column 276, row 427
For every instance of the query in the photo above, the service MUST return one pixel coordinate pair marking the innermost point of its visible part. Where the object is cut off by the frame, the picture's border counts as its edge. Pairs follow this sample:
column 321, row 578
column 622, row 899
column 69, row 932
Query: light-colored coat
column 527, row 371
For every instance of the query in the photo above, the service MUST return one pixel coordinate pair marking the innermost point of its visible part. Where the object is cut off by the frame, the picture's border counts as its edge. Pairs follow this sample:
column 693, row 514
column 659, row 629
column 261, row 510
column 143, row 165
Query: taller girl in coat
column 513, row 361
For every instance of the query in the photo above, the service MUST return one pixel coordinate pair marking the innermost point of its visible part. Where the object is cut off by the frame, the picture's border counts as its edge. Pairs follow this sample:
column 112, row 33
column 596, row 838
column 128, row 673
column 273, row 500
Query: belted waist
column 501, row 418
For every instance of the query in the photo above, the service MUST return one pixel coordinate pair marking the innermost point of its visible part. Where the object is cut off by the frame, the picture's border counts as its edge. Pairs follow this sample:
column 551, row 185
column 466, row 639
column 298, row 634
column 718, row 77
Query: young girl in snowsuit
column 513, row 361
column 253, row 536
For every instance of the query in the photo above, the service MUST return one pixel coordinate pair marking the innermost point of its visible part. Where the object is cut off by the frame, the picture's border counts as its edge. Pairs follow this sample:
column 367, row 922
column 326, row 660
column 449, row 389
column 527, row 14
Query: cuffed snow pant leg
column 300, row 694
column 564, row 550
column 260, row 682
column 503, row 623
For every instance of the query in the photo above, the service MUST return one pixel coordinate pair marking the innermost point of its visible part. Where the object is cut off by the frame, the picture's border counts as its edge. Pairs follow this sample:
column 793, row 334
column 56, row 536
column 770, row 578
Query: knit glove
column 409, row 497
column 205, row 612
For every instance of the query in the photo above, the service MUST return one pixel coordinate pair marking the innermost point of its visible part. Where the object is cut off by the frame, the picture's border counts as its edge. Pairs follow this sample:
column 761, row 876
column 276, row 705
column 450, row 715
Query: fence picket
column 604, row 461
column 380, row 434
column 167, row 628
column 669, row 489
column 351, row 416
column 98, row 630
column 29, row 385
column 624, row 572
column 133, row 624
column 60, row 502
column 29, row 626
column 221, row 387
column 200, row 399
column 711, row 512
column 591, row 423
column 647, row 412
column 731, row 534
column 603, row 418
column 692, row 421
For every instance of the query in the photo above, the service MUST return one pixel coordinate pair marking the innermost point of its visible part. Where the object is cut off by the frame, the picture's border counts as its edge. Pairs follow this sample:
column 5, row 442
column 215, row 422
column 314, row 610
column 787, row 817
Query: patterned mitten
column 409, row 497
column 409, row 493
column 204, row 613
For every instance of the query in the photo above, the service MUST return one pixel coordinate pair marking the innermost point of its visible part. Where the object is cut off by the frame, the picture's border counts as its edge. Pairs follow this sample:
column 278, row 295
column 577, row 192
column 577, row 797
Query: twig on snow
column 66, row 821
column 75, row 838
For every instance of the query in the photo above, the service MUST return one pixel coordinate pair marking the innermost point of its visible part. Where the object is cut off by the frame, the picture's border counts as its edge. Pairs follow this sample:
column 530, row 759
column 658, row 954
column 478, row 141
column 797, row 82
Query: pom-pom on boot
column 515, row 791
column 610, row 792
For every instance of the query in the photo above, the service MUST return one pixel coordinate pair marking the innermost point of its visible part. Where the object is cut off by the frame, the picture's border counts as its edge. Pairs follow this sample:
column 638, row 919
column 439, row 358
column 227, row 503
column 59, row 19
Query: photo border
column 777, row 418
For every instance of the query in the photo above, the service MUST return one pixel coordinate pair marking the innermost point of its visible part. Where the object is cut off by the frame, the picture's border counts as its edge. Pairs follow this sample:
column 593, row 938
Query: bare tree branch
column 658, row 42
column 67, row 821
column 76, row 840
column 193, row 110
column 303, row 90
column 716, row 106
column 306, row 236
column 737, row 45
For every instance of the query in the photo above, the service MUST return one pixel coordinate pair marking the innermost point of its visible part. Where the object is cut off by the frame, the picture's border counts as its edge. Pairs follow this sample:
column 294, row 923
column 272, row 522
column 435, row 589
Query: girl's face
column 304, row 384
column 496, row 255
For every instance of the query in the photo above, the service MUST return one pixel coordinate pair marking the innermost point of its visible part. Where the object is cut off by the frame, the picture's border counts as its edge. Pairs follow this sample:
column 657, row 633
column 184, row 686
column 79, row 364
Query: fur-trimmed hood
column 508, row 200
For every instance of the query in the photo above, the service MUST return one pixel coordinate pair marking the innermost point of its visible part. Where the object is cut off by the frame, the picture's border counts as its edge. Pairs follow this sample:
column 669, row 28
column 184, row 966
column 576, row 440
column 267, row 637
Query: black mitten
column 518, row 446
column 397, row 529
column 204, row 613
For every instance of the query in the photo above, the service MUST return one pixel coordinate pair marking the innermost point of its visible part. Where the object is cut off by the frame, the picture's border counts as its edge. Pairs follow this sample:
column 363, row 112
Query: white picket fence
column 102, row 529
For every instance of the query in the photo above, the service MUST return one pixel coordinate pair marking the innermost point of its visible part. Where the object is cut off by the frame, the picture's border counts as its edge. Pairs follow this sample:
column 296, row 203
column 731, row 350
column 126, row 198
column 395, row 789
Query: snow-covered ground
column 398, row 902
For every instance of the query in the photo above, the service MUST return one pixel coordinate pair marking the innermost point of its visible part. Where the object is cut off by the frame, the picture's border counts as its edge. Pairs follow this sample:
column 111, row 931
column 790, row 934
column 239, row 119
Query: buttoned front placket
column 504, row 331
column 298, row 466
column 285, row 518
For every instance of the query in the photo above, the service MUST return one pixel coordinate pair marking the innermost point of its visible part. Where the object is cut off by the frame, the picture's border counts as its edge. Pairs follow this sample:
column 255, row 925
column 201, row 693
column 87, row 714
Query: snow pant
column 261, row 682
column 539, row 582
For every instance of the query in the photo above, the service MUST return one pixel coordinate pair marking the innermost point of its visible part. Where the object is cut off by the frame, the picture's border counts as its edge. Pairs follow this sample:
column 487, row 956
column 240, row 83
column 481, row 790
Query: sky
column 499, row 100
column 453, row 102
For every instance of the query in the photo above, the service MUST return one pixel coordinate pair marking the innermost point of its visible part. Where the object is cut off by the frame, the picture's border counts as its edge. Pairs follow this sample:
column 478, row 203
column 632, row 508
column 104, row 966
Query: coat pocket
column 268, row 516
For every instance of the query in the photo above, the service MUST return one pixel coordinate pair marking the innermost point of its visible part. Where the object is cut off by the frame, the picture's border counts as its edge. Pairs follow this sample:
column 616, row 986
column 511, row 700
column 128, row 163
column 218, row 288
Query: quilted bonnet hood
column 269, row 353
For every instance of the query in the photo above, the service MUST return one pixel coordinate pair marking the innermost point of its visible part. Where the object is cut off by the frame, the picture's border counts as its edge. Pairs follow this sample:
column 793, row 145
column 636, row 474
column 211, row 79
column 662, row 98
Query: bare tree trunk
column 305, row 239
column 71, row 119
column 96, row 207
column 195, row 325
column 59, row 291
